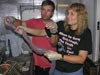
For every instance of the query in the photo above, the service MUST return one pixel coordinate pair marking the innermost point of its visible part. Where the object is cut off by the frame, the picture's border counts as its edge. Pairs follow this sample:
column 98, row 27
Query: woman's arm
column 75, row 59
column 80, row 58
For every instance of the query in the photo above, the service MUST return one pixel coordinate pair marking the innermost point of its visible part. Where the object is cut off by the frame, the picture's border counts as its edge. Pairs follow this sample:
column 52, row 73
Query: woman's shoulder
column 60, row 25
column 60, row 22
column 87, row 30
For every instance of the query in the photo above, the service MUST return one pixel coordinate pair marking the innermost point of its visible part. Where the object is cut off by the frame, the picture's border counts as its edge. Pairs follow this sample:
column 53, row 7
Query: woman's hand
column 51, row 55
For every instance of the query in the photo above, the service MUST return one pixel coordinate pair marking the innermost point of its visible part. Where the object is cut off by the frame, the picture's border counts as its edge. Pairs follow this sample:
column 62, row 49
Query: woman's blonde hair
column 82, row 17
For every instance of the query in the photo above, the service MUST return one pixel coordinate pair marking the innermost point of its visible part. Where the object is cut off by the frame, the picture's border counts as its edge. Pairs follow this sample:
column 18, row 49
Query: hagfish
column 9, row 24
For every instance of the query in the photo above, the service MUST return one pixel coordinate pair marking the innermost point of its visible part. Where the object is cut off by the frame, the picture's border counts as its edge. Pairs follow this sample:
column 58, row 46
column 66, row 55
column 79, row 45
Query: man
column 39, row 29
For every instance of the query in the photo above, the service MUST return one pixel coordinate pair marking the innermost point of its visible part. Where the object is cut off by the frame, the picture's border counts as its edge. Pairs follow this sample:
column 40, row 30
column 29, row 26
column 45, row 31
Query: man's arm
column 17, row 22
column 54, row 40
column 37, row 32
column 22, row 25
column 32, row 31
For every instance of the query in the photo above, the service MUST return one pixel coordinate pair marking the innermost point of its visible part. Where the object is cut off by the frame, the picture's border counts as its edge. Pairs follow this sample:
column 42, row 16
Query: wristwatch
column 62, row 57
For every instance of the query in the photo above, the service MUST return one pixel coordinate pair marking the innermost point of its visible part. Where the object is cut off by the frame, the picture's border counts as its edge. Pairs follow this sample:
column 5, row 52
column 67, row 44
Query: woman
column 74, row 43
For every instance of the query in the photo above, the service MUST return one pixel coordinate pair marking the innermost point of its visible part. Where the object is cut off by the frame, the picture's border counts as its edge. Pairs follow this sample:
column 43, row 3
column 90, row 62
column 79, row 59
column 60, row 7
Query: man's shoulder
column 35, row 19
column 38, row 19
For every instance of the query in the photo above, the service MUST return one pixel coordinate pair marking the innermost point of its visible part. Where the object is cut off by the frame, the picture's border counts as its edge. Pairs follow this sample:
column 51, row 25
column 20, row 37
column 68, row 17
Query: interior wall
column 98, row 21
column 94, row 17
column 91, row 17
column 96, row 52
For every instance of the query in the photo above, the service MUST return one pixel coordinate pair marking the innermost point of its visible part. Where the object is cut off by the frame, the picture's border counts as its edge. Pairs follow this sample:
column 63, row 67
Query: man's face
column 46, row 12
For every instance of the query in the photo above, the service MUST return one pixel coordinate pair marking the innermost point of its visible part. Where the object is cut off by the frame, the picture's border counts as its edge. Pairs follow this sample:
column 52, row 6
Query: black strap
column 48, row 32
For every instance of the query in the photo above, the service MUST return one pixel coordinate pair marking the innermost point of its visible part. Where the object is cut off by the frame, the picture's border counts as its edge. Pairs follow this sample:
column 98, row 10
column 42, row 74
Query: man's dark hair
column 48, row 2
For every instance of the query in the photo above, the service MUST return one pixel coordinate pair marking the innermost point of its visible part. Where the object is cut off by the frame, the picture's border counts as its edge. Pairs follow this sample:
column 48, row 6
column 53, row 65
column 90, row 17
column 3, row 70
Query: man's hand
column 52, row 26
column 9, row 19
column 20, row 29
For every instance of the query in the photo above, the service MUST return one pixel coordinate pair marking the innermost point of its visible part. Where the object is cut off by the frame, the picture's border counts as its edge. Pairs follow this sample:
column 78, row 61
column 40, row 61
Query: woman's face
column 71, row 17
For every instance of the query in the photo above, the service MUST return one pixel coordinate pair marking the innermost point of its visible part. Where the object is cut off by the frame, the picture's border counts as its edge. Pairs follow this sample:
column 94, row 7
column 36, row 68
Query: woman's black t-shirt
column 70, row 44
